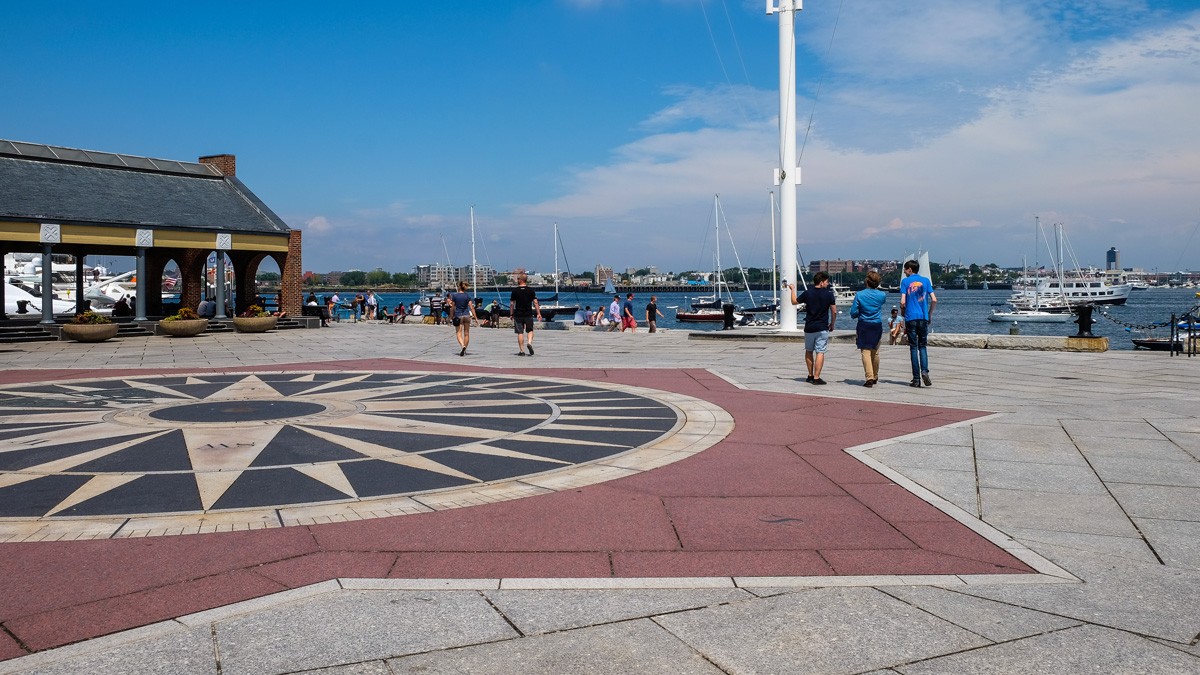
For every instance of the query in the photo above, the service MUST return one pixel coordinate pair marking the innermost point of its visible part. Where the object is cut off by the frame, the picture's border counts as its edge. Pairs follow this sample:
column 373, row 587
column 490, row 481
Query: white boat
column 1071, row 292
column 1030, row 316
column 19, row 302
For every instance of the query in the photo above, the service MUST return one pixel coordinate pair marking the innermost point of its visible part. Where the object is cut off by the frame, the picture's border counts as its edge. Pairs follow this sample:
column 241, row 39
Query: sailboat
column 1033, row 313
column 550, row 307
column 710, row 308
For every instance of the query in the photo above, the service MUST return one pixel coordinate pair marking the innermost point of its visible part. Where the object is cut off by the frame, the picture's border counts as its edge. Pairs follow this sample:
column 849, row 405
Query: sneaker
column 819, row 381
column 925, row 378
column 809, row 379
column 915, row 383
column 463, row 352
column 530, row 348
column 520, row 353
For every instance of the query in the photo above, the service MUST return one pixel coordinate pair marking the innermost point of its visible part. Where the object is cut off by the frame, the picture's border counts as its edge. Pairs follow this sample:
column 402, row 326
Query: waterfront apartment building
column 484, row 275
column 846, row 266
column 437, row 275
column 603, row 274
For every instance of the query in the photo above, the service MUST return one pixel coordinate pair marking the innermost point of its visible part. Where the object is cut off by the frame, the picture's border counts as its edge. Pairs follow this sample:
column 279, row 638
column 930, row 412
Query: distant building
column 436, row 275
column 603, row 274
column 1112, row 259
column 484, row 275
column 333, row 278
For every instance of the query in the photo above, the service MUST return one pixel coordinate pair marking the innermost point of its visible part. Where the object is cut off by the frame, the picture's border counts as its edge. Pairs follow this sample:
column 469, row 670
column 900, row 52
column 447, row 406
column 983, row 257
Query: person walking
column 820, row 310
column 868, row 309
column 652, row 313
column 627, row 319
column 614, row 314
column 372, row 305
column 436, row 308
column 464, row 314
column 359, row 304
column 917, row 299
column 523, row 304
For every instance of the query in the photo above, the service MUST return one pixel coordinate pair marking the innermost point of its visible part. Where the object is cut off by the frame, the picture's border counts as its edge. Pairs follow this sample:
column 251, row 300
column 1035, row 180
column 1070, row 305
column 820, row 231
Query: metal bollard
column 1014, row 329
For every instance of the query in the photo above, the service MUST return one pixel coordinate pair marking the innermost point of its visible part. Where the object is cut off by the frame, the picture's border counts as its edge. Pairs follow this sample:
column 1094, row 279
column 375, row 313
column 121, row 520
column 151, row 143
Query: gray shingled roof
column 91, row 192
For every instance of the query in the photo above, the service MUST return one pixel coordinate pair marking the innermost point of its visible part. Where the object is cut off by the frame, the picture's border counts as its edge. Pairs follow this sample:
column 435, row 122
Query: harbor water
column 958, row 311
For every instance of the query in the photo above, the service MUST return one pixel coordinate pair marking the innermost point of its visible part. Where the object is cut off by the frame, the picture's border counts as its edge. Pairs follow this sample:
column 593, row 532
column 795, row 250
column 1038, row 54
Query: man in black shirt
column 523, row 304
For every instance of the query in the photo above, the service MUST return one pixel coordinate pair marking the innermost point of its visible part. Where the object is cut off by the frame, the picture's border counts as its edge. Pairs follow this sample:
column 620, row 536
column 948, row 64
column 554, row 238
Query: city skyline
column 375, row 127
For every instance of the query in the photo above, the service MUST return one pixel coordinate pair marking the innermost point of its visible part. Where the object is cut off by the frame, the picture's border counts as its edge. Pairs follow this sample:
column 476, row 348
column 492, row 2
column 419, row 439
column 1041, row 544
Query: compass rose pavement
column 312, row 505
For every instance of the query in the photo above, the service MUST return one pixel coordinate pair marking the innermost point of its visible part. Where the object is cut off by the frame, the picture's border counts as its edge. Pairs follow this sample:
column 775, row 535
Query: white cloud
column 1106, row 143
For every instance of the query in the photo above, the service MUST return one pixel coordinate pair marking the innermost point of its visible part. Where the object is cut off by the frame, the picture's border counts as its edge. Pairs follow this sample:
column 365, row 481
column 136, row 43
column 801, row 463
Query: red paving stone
column 773, row 499
column 64, row 626
column 317, row 567
column 497, row 565
column 779, row 523
column 719, row 564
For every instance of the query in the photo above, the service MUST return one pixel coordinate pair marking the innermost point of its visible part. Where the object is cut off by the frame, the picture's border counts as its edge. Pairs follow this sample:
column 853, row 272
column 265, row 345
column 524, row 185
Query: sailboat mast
column 474, row 267
column 556, row 262
column 717, row 226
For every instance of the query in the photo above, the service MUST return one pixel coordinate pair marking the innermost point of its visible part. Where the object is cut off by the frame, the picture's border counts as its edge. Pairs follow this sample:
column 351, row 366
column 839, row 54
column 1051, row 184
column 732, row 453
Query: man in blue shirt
column 917, row 300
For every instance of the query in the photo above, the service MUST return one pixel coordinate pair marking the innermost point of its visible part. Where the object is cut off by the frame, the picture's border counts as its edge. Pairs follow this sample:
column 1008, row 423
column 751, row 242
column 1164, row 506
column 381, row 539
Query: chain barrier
column 1146, row 326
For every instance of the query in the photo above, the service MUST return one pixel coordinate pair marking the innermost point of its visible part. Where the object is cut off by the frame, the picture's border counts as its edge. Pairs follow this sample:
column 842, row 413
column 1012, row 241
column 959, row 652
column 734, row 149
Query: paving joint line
column 1113, row 497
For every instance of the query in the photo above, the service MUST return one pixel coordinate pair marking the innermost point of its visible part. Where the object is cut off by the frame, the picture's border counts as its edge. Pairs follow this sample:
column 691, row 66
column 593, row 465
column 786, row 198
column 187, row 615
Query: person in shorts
column 652, row 313
column 820, row 314
column 523, row 304
column 627, row 318
column 464, row 314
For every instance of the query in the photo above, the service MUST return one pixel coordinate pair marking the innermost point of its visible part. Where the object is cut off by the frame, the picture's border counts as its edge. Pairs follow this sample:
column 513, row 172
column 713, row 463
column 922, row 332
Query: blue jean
column 918, row 337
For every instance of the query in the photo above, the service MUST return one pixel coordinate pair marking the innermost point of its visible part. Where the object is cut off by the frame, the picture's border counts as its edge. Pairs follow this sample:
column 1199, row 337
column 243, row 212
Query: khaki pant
column 870, row 359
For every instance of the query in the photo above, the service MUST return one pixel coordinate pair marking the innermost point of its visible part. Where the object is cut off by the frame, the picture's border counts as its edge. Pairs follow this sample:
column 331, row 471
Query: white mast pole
column 556, row 264
column 474, row 267
column 787, row 177
column 774, row 258
column 717, row 229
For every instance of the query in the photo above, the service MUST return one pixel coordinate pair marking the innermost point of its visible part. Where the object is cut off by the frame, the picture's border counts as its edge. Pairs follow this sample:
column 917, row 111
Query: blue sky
column 373, row 127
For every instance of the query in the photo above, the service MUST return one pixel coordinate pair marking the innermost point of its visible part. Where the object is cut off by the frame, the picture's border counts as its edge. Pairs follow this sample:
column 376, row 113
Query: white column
column 788, row 175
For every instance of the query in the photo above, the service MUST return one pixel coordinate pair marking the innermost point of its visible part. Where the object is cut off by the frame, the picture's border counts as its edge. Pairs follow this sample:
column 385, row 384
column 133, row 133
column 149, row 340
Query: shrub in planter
column 90, row 327
column 185, row 323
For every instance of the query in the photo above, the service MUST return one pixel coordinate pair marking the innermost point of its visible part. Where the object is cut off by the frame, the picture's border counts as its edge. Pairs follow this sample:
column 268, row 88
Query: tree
column 268, row 276
column 354, row 278
column 643, row 272
column 378, row 277
column 404, row 279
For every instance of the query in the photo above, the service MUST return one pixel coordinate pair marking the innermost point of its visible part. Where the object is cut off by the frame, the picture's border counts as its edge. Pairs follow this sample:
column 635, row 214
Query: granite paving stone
column 1056, row 478
column 1074, row 650
column 1131, row 546
column 995, row 621
column 926, row 455
column 354, row 626
column 1007, row 450
column 547, row 611
column 1158, row 501
column 180, row 652
column 1139, row 471
column 1177, row 542
column 957, row 487
column 628, row 647
column 819, row 631
column 1150, row 600
column 1092, row 514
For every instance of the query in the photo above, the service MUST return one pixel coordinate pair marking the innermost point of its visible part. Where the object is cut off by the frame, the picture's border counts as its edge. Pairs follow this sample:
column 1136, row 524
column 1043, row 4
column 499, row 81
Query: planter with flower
column 186, row 323
column 89, row 327
column 254, row 320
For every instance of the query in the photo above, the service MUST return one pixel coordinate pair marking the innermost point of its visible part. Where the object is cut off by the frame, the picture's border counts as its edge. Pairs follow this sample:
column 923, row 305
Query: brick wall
column 292, row 277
